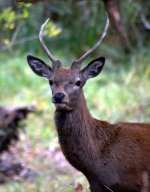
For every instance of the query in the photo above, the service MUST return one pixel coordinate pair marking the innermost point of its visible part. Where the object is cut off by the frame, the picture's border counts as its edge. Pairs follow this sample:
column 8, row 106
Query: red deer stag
column 113, row 157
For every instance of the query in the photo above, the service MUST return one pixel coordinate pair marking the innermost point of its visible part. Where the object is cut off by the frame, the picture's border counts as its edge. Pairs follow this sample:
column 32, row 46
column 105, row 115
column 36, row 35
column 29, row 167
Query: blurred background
column 119, row 93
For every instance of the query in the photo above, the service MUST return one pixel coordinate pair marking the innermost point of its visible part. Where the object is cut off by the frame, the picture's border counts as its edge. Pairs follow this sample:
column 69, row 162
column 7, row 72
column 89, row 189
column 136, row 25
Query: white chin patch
column 60, row 105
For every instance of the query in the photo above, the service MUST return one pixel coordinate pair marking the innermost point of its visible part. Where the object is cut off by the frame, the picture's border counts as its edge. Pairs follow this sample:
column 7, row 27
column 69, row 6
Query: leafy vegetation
column 69, row 21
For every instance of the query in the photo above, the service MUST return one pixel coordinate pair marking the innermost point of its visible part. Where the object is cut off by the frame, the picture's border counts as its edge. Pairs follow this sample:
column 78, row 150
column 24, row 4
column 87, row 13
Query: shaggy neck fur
column 74, row 132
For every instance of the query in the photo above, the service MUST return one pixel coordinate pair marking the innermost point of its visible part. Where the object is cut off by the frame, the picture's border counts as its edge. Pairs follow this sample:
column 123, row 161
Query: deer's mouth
column 60, row 103
column 62, row 106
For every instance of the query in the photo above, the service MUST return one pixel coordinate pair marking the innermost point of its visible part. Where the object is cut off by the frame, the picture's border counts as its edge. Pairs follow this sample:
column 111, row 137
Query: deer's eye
column 51, row 82
column 78, row 83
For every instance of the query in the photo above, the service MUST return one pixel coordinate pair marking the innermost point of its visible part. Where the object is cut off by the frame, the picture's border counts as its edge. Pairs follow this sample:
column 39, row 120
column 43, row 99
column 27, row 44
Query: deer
column 112, row 156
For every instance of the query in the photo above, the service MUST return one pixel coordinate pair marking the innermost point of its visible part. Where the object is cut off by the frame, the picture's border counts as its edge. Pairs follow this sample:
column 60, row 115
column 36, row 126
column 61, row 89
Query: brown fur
column 111, row 156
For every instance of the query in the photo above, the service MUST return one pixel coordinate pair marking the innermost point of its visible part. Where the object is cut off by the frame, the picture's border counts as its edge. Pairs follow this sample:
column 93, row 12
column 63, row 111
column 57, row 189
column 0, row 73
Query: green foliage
column 52, row 30
column 132, row 20
column 9, row 18
column 75, row 26
column 81, row 24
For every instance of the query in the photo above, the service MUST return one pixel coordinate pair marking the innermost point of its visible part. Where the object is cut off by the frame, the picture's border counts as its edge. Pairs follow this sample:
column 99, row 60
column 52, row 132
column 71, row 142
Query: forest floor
column 37, row 167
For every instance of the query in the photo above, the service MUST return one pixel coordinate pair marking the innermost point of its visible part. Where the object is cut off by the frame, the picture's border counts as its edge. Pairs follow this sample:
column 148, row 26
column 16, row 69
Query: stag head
column 66, row 83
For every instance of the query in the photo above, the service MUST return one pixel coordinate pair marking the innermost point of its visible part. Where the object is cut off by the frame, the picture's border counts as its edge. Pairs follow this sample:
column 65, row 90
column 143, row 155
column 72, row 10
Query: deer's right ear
column 39, row 67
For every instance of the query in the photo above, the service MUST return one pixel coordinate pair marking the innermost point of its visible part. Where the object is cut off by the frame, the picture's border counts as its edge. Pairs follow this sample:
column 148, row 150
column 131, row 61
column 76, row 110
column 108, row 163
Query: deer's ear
column 39, row 67
column 93, row 68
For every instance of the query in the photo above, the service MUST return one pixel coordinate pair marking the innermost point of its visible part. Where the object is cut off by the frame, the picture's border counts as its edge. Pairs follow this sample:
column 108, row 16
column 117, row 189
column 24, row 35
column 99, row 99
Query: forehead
column 65, row 75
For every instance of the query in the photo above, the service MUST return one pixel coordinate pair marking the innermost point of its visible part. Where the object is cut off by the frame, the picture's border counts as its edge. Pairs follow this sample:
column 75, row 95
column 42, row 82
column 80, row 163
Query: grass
column 119, row 93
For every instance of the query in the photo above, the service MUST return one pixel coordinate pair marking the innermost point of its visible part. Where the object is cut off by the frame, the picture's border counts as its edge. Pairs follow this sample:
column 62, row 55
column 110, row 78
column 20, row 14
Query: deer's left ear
column 93, row 68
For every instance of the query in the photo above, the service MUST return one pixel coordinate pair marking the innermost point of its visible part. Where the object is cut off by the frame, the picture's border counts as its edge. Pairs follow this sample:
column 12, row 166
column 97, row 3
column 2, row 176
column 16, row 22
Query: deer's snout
column 58, row 97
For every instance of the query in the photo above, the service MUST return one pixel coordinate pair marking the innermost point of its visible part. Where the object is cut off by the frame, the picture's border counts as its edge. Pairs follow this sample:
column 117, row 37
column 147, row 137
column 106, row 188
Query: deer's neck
column 74, row 132
column 77, row 120
column 82, row 137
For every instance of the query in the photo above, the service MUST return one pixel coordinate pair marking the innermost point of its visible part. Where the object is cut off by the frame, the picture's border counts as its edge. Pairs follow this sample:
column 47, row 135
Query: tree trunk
column 113, row 9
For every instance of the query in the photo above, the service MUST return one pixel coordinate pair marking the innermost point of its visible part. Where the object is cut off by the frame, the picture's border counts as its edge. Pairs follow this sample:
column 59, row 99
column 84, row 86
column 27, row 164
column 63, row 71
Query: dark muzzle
column 58, row 97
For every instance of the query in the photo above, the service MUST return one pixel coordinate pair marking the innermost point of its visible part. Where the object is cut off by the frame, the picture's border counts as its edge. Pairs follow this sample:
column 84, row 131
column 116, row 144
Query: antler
column 79, row 61
column 76, row 64
column 49, row 54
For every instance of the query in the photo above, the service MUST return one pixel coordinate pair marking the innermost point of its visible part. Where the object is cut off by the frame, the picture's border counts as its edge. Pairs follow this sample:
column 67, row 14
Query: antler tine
column 79, row 61
column 52, row 58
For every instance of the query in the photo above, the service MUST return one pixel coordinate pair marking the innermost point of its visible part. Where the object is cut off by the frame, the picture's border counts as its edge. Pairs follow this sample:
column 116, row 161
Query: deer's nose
column 58, row 97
